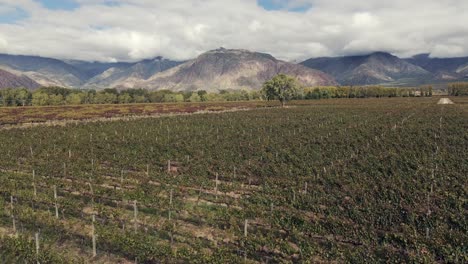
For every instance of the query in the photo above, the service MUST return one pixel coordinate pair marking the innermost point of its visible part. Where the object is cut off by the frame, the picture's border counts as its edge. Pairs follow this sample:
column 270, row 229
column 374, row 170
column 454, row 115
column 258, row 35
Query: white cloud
column 182, row 29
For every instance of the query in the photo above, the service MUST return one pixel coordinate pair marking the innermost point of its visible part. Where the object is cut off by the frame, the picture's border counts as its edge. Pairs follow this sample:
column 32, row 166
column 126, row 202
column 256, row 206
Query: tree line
column 458, row 89
column 284, row 88
column 65, row 96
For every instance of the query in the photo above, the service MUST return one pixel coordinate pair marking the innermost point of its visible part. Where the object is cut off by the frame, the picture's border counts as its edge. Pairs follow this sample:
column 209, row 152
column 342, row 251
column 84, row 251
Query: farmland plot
column 335, row 181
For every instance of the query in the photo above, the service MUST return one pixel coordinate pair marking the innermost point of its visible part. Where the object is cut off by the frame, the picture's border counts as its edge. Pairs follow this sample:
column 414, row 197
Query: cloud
column 129, row 30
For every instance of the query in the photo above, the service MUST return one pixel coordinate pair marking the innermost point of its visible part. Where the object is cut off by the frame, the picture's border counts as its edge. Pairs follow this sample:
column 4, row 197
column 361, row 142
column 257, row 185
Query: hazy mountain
column 10, row 80
column 92, row 69
column 126, row 76
column 45, row 71
column 375, row 68
column 232, row 69
column 442, row 68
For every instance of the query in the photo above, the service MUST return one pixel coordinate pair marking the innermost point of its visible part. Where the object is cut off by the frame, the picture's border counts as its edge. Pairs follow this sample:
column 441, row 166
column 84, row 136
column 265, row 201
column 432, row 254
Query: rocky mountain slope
column 232, row 69
column 126, row 76
column 9, row 80
column 78, row 74
column 375, row 68
column 442, row 68
column 45, row 71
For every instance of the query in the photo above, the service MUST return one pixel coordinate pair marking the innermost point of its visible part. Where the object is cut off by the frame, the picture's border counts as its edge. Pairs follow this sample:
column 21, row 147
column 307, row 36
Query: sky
column 292, row 30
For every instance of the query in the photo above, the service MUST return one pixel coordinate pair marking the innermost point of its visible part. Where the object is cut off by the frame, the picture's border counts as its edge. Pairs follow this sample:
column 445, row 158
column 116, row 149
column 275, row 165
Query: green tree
column 125, row 98
column 40, row 98
column 75, row 98
column 173, row 98
column 194, row 98
column 282, row 87
column 202, row 94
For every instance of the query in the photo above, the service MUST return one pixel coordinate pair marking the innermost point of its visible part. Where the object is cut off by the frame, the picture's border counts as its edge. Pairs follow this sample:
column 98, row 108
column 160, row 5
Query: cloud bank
column 129, row 30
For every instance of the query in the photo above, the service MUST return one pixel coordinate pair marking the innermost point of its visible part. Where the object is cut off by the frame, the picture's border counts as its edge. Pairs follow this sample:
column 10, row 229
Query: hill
column 45, row 71
column 442, row 68
column 232, row 69
column 375, row 68
column 9, row 80
column 128, row 75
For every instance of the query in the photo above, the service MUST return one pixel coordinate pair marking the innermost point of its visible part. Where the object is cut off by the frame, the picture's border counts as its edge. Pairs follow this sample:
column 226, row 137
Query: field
column 41, row 114
column 346, row 180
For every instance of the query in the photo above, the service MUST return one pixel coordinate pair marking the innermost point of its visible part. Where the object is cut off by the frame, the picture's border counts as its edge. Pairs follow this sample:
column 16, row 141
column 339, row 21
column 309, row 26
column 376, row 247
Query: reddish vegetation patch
column 32, row 114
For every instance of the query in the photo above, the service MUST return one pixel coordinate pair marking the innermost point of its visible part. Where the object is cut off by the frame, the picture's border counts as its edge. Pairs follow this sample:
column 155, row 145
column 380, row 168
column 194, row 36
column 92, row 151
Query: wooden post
column 216, row 186
column 92, row 193
column 147, row 169
column 34, row 182
column 94, row 235
column 305, row 188
column 121, row 180
column 170, row 205
column 169, row 166
column 135, row 215
column 56, row 207
column 14, row 223
column 246, row 225
column 36, row 236
column 170, row 199
column 69, row 154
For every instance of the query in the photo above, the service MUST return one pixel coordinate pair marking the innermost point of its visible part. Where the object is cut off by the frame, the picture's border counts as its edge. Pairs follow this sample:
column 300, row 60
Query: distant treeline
column 64, row 96
column 458, row 89
column 364, row 92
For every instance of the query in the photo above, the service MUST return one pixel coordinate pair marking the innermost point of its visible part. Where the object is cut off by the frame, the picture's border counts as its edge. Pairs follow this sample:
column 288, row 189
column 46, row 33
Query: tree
column 202, row 94
column 282, row 87
column 75, row 98
column 40, row 98
column 194, row 98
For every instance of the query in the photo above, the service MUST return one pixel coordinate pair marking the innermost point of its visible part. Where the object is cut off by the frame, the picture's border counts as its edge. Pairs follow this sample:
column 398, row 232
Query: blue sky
column 12, row 16
column 267, row 4
column 281, row 5
column 59, row 4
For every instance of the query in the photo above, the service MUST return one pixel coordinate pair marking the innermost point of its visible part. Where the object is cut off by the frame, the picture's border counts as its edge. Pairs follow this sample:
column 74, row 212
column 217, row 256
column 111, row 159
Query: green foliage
column 282, row 87
column 61, row 96
column 386, row 183
column 40, row 99
column 458, row 89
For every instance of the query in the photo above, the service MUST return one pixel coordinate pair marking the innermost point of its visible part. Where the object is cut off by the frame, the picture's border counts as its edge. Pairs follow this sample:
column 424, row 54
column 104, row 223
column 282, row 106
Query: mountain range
column 229, row 69
column 9, row 80
column 386, row 69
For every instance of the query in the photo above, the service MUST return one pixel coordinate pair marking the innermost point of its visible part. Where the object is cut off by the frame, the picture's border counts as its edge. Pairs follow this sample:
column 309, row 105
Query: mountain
column 92, row 69
column 9, row 80
column 231, row 69
column 442, row 68
column 375, row 68
column 127, row 75
column 45, row 71
column 78, row 74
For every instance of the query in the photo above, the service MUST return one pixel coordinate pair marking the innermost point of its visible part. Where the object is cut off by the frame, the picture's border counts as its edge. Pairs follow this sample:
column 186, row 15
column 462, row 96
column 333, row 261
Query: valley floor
column 346, row 180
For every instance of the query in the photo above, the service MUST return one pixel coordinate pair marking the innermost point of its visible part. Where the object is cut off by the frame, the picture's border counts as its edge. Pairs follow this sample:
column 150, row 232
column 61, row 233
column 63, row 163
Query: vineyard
column 344, row 180
column 32, row 114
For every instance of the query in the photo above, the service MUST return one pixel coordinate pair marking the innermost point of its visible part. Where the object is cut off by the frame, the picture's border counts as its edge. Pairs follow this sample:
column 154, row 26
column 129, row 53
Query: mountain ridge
column 374, row 68
column 10, row 80
column 232, row 69
column 236, row 69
